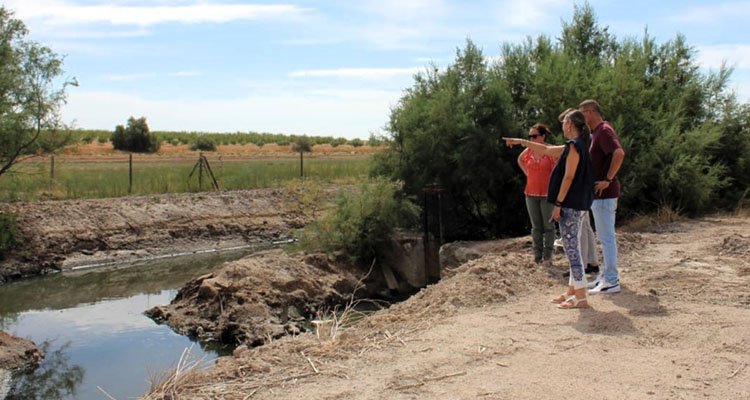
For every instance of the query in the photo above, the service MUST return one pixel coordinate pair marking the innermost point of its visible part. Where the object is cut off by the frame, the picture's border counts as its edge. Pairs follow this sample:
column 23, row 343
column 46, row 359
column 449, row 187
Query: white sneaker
column 595, row 282
column 605, row 287
column 558, row 243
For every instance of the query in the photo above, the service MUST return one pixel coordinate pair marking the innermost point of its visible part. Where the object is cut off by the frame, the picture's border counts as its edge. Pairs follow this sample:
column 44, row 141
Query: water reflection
column 70, row 289
column 55, row 379
column 93, row 321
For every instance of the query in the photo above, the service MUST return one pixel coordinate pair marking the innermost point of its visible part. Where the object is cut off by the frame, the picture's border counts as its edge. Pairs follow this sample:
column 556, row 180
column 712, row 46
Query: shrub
column 8, row 233
column 363, row 221
column 203, row 143
column 356, row 143
column 375, row 141
column 338, row 141
column 136, row 137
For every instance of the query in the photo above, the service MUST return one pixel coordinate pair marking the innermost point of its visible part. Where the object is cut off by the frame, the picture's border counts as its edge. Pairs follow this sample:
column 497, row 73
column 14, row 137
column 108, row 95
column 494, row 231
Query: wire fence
column 127, row 174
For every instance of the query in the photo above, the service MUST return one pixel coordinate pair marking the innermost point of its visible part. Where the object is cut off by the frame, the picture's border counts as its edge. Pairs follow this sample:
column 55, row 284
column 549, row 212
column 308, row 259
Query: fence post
column 52, row 168
column 130, row 173
column 301, row 170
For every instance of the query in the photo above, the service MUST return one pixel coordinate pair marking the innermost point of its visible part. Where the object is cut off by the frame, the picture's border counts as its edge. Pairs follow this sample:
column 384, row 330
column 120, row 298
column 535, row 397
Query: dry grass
column 169, row 385
column 663, row 216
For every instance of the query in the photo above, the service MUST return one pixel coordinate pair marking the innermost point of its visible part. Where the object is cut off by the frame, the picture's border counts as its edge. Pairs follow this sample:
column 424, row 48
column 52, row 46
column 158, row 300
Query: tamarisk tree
column 31, row 94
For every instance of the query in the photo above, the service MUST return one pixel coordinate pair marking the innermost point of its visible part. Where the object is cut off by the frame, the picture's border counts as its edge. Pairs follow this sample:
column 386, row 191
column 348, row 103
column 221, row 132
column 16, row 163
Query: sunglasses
column 535, row 135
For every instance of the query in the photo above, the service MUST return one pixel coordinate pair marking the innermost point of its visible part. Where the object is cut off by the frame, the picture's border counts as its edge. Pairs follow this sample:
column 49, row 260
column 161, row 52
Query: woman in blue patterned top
column 571, row 190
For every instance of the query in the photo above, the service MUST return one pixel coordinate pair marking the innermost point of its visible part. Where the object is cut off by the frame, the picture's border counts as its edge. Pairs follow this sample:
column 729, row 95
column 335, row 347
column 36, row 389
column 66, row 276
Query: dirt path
column 680, row 329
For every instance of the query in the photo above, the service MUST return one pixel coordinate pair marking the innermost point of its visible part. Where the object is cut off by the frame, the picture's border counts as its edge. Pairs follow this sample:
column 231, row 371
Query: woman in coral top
column 538, row 167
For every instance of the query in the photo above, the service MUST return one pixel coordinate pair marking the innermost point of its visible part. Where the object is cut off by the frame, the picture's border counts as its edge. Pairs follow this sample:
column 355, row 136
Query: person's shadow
column 638, row 304
column 610, row 323
column 617, row 323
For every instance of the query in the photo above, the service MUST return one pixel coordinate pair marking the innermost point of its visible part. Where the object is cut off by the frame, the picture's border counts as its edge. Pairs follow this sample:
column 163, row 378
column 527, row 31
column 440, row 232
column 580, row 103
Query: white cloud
column 735, row 55
column 363, row 73
column 522, row 14
column 57, row 12
column 714, row 12
column 347, row 113
column 743, row 91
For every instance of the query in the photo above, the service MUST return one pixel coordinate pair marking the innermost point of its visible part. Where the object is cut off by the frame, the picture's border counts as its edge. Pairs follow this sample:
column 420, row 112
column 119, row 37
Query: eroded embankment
column 264, row 296
column 56, row 235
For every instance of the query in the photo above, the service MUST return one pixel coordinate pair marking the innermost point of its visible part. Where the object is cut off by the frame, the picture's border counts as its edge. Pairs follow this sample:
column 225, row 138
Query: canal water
column 91, row 326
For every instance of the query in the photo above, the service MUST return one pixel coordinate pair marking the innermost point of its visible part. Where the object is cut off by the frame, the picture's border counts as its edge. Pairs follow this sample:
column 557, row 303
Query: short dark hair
column 590, row 104
column 542, row 129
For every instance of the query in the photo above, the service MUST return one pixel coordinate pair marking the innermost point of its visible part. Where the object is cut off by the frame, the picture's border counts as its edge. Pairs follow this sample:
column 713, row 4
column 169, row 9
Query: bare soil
column 680, row 329
column 17, row 354
column 59, row 235
column 261, row 297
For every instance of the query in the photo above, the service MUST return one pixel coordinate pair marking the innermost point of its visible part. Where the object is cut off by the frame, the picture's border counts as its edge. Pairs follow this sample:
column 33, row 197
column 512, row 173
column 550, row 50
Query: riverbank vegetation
column 685, row 134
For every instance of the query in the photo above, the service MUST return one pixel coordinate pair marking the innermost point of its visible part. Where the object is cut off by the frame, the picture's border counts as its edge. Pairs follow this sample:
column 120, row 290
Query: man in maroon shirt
column 606, row 159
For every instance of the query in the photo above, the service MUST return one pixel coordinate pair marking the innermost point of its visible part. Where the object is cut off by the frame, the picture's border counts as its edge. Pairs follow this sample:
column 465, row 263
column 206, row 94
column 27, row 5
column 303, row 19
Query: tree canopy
column 135, row 137
column 30, row 94
column 686, row 136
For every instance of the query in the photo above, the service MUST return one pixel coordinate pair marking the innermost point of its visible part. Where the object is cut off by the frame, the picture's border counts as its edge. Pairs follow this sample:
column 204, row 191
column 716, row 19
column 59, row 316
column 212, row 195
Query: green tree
column 136, row 137
column 203, row 143
column 686, row 136
column 445, row 130
column 30, row 97
column 302, row 145
column 375, row 140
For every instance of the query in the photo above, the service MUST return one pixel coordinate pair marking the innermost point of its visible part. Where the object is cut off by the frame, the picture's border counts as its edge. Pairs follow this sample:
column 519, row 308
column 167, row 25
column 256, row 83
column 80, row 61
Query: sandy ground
column 680, row 329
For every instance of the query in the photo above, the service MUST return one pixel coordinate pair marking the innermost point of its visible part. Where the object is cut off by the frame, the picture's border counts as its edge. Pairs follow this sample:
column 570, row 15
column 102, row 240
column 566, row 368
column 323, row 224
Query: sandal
column 574, row 302
column 561, row 298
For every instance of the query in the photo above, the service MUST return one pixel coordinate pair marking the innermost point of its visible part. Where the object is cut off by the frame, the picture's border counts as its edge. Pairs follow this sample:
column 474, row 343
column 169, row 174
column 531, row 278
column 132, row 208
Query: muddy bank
column 263, row 296
column 271, row 294
column 58, row 235
column 18, row 354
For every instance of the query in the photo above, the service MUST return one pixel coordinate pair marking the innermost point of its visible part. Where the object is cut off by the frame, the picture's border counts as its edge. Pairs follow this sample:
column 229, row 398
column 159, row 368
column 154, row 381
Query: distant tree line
column 686, row 135
column 200, row 140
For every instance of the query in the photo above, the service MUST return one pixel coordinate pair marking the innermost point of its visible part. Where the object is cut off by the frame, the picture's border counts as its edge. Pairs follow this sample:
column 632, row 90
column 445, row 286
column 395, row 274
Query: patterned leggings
column 570, row 228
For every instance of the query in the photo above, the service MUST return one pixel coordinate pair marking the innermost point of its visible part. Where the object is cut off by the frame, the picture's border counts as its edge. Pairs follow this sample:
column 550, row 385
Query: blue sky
column 331, row 68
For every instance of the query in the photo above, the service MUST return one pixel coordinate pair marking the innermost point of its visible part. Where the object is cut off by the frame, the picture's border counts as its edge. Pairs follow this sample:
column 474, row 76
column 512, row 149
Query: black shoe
column 589, row 270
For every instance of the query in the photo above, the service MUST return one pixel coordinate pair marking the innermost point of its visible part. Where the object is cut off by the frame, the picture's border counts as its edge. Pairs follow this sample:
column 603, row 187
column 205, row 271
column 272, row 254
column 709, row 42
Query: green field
column 75, row 179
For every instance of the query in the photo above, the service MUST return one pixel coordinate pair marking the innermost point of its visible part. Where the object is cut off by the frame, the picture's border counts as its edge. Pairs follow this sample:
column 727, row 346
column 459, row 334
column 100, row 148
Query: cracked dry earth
column 680, row 329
